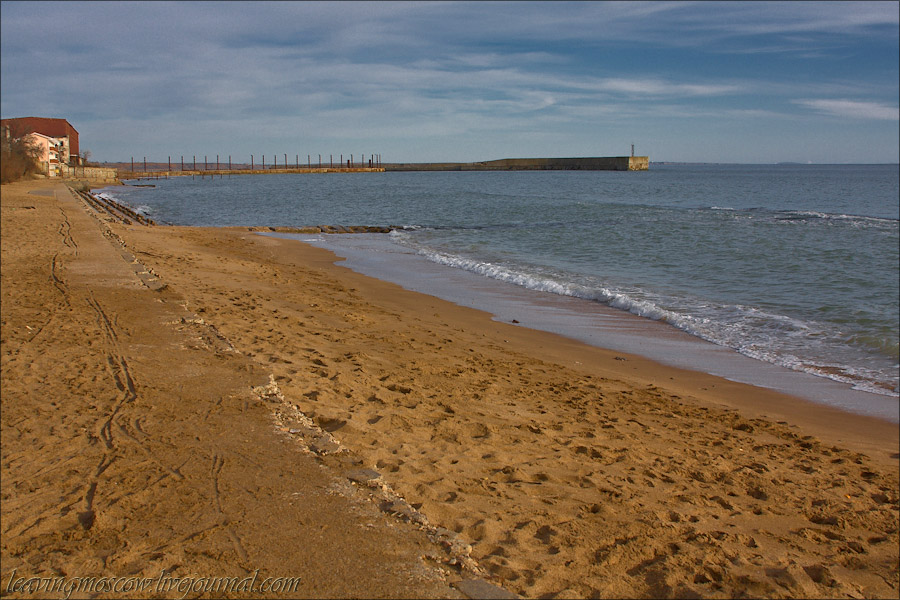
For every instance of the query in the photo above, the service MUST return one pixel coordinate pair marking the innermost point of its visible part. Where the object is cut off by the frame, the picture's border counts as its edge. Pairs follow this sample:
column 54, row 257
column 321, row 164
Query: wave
column 814, row 214
column 725, row 326
column 611, row 297
column 805, row 216
column 141, row 209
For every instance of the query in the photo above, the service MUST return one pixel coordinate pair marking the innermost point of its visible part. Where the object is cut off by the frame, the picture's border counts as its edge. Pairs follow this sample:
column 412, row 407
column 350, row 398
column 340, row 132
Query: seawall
column 596, row 163
column 90, row 173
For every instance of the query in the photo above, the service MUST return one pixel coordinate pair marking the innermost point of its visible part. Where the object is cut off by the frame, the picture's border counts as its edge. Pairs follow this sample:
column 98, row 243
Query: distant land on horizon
column 783, row 163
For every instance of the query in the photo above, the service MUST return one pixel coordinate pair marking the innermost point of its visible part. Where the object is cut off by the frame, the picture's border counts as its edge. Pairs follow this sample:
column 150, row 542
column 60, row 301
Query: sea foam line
column 703, row 328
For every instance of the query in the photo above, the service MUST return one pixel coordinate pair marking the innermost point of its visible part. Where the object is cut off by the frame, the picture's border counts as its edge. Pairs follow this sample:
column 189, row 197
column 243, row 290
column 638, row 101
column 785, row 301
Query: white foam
column 731, row 333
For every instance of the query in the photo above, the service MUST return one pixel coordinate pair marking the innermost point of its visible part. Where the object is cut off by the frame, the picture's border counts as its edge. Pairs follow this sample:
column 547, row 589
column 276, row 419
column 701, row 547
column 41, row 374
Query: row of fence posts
column 374, row 161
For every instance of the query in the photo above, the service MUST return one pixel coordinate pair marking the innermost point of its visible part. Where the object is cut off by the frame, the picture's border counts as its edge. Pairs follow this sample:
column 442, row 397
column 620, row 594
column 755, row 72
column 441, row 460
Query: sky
column 734, row 82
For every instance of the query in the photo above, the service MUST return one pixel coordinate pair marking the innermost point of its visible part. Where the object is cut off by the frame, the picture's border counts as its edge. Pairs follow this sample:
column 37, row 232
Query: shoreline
column 835, row 424
column 562, row 469
column 593, row 323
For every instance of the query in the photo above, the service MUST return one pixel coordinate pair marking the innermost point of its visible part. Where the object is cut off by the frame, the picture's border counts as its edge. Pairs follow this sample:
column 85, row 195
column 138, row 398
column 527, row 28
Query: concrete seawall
column 90, row 173
column 597, row 163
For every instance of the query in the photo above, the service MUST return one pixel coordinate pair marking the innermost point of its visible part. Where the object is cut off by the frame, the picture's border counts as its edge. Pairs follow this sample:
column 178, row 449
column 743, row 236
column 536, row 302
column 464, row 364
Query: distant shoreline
column 778, row 164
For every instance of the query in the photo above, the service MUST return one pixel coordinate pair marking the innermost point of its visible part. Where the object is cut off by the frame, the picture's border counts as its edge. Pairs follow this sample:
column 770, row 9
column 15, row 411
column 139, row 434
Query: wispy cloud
column 706, row 22
column 482, row 73
column 659, row 87
column 765, row 18
column 853, row 109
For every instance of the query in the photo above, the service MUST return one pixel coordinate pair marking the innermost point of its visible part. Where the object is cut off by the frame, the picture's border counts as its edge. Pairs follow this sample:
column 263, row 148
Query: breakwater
column 164, row 174
column 324, row 229
column 590, row 163
column 595, row 163
column 110, row 208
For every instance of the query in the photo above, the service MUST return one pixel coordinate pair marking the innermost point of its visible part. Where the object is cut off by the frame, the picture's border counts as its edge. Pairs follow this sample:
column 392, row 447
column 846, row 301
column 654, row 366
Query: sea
column 784, row 276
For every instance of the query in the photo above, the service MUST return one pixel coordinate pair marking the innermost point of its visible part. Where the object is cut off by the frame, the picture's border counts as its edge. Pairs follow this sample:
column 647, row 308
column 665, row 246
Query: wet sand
column 538, row 463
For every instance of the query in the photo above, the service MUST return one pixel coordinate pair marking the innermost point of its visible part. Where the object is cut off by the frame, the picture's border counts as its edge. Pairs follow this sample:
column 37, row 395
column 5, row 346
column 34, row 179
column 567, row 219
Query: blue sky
column 744, row 82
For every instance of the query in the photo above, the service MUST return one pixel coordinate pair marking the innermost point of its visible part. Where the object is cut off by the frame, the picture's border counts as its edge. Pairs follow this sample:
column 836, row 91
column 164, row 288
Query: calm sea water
column 794, row 265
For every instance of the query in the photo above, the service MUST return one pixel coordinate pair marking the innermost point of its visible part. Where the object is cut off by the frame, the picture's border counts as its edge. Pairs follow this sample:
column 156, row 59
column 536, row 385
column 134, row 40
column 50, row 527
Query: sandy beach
column 209, row 402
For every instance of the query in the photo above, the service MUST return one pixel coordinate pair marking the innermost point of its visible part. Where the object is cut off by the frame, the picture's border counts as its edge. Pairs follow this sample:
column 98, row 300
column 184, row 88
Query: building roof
column 47, row 126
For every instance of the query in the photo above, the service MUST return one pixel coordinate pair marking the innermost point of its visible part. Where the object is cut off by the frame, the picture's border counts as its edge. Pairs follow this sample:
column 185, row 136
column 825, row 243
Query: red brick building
column 55, row 128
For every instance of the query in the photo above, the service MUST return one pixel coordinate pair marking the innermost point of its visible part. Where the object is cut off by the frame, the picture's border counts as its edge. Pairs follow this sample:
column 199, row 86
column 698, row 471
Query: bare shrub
column 18, row 158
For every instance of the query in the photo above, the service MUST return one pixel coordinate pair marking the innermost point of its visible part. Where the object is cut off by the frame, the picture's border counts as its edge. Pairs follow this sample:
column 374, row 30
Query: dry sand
column 139, row 434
